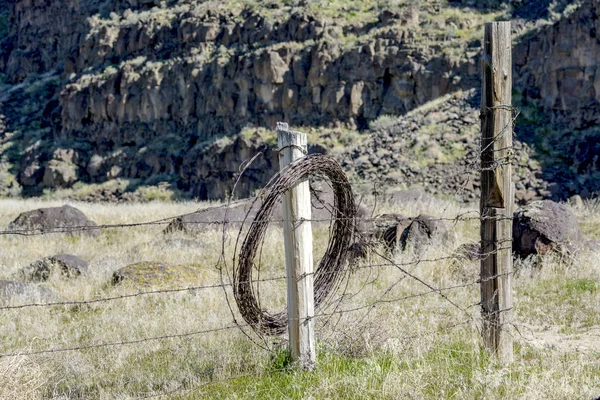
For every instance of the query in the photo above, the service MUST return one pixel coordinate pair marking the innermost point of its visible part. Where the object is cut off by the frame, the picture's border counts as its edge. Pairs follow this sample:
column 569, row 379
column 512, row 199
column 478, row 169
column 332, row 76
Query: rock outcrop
column 544, row 226
column 54, row 219
column 66, row 265
column 558, row 70
column 171, row 91
column 436, row 148
column 165, row 89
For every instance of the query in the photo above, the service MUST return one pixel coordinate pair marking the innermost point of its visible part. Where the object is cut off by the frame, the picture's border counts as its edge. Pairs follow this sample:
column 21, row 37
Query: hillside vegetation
column 177, row 94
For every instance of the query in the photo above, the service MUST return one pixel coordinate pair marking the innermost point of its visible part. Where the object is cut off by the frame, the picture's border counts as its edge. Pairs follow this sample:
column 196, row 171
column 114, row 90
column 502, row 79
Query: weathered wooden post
column 497, row 195
column 298, row 253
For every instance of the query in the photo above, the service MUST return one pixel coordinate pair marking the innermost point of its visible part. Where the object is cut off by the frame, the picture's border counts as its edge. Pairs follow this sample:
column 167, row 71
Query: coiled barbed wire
column 329, row 274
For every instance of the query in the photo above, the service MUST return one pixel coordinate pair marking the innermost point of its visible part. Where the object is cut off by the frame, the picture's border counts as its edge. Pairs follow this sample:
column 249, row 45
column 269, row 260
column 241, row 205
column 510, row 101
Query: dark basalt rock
column 545, row 226
column 425, row 231
column 67, row 265
column 65, row 218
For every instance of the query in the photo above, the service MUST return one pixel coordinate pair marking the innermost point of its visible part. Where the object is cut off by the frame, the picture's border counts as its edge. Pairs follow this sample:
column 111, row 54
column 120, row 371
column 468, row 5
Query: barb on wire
column 222, row 263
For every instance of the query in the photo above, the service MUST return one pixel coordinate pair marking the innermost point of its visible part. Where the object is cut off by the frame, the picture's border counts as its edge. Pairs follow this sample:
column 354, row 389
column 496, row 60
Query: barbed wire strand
column 237, row 324
column 228, row 284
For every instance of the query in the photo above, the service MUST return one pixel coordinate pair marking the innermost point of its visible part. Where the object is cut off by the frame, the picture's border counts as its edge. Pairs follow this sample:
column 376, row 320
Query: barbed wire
column 83, row 228
column 119, row 343
column 212, row 286
column 462, row 217
column 238, row 325
column 39, row 230
column 335, row 309
column 223, row 284
column 127, row 296
column 235, row 326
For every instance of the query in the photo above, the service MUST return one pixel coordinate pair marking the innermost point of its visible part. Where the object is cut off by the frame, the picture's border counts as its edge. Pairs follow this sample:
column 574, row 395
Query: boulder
column 544, row 226
column 53, row 218
column 369, row 231
column 425, row 231
column 67, row 265
column 211, row 218
column 14, row 293
column 198, row 222
column 149, row 273
column 394, row 229
column 364, row 220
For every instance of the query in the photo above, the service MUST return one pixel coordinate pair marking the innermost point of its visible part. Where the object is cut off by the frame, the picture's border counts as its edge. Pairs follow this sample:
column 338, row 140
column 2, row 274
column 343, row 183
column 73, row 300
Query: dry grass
column 419, row 347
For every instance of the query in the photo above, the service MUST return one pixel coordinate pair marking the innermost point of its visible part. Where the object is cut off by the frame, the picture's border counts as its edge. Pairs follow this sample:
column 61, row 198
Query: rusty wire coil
column 329, row 273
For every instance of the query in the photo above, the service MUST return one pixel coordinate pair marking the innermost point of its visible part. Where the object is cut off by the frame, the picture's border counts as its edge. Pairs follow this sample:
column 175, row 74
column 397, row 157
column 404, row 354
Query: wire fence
column 371, row 256
column 343, row 303
column 372, row 263
column 387, row 263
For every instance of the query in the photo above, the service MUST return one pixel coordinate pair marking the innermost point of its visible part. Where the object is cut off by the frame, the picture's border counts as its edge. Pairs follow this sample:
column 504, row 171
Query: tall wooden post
column 497, row 195
column 298, row 253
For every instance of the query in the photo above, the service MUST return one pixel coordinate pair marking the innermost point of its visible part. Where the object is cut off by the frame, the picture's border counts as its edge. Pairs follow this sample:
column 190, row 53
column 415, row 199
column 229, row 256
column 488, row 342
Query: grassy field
column 404, row 347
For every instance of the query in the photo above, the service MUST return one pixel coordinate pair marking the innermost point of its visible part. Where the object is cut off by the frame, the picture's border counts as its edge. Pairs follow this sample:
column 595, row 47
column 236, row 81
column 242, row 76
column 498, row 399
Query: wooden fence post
column 298, row 253
column 496, row 190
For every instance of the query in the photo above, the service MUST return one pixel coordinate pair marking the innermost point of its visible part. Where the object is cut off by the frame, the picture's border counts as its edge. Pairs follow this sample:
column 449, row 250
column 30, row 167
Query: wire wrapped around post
column 329, row 273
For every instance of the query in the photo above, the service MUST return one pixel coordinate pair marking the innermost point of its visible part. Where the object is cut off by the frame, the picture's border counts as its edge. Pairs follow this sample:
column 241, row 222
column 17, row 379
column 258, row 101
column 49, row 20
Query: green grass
column 457, row 369
column 569, row 302
column 283, row 382
column 266, row 135
column 580, row 286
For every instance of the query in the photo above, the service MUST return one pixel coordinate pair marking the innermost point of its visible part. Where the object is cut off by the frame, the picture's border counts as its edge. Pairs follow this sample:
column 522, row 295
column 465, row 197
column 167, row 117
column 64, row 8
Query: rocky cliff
column 558, row 69
column 148, row 89
column 175, row 91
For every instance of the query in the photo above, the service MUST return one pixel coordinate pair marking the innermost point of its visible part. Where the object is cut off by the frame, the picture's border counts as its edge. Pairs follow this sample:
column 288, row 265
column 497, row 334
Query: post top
column 497, row 23
column 285, row 137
